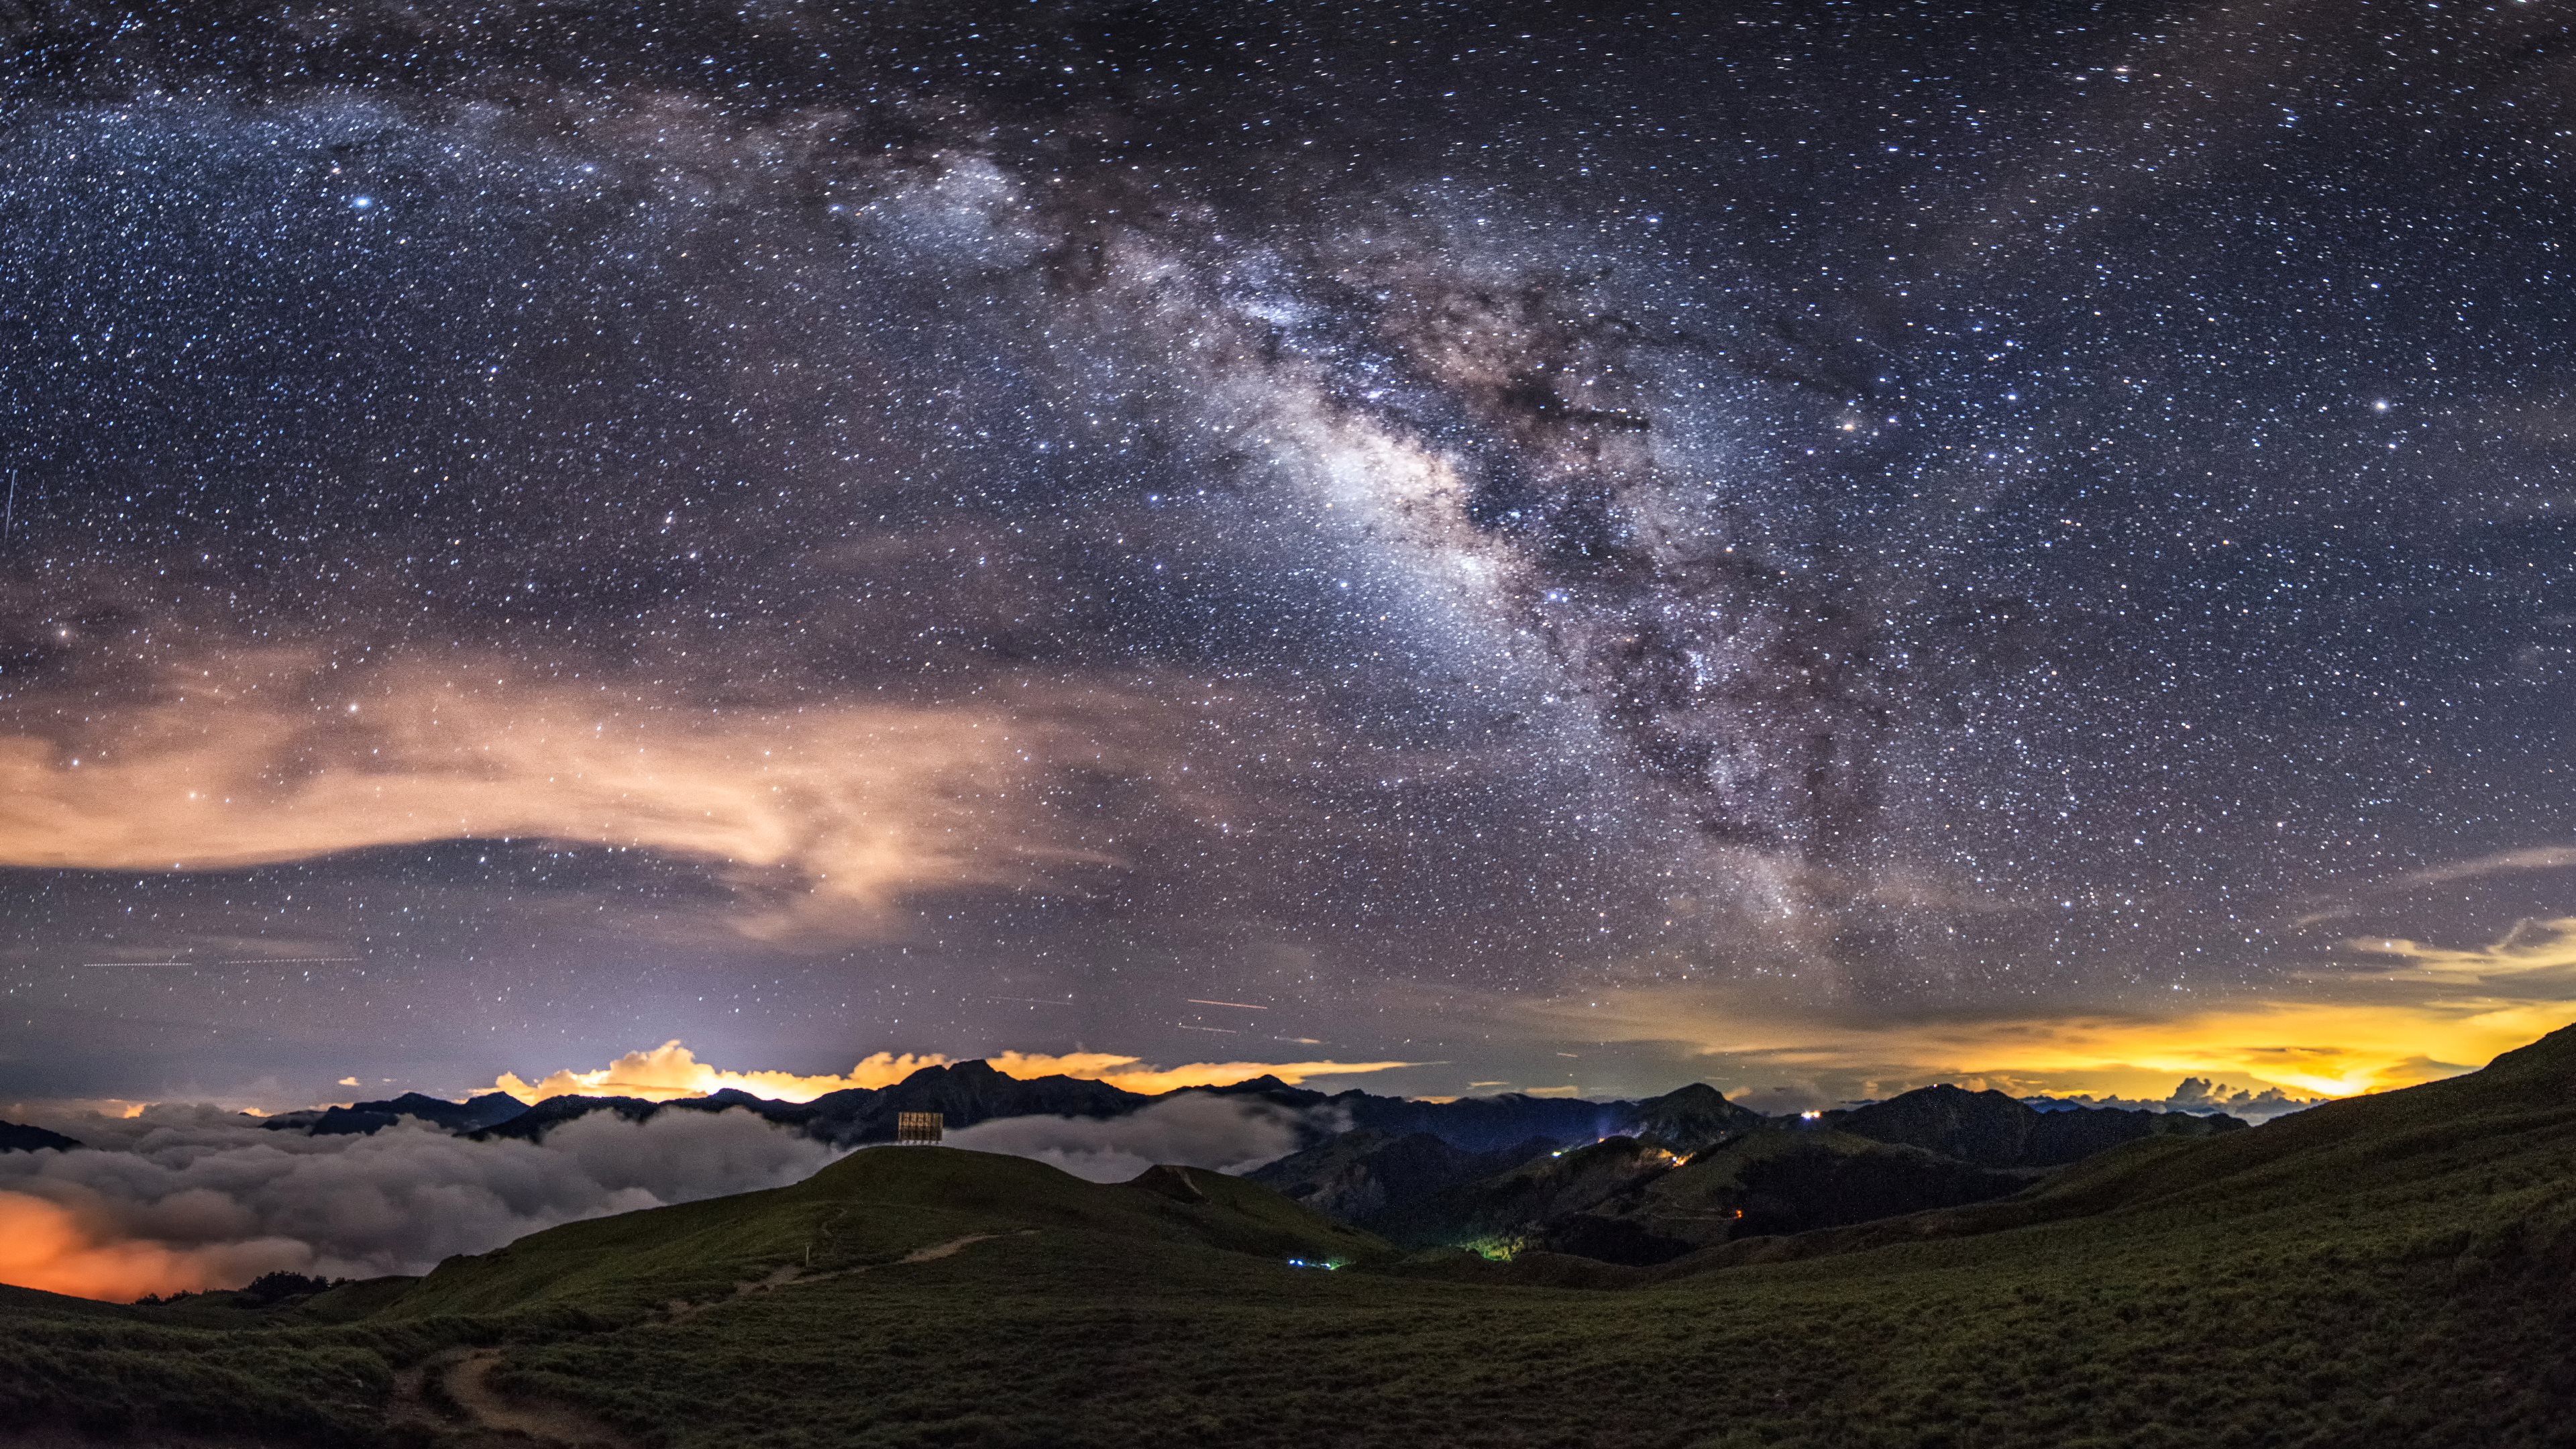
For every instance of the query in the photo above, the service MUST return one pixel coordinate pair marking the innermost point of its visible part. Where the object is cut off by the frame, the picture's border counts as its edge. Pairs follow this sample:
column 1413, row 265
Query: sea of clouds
column 1229, row 1134
column 192, row 1197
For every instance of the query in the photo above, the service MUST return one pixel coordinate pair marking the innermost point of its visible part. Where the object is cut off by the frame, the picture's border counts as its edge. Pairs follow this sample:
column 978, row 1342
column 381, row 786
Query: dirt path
column 468, row 1385
column 946, row 1249
column 463, row 1383
column 681, row 1310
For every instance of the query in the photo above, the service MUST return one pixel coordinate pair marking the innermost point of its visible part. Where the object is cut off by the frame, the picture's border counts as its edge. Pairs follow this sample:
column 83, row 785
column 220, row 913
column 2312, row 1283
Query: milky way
column 543, row 526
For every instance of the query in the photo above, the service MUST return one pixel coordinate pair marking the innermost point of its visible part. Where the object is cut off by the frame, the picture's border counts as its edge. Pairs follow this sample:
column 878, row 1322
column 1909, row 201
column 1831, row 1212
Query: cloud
column 1131, row 1074
column 2201, row 1095
column 672, row 1070
column 823, row 816
column 2534, row 955
column 2537, row 857
column 48, row 1246
column 194, row 1197
column 2542, row 857
column 2423, row 1013
column 1229, row 1134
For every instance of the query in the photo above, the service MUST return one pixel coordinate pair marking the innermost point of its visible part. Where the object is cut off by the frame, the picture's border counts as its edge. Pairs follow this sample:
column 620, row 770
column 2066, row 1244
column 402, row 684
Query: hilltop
column 2385, row 1271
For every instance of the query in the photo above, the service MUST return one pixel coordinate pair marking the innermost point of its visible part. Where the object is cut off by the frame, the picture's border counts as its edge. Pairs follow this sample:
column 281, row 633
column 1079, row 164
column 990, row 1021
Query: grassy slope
column 2389, row 1271
column 869, row 1209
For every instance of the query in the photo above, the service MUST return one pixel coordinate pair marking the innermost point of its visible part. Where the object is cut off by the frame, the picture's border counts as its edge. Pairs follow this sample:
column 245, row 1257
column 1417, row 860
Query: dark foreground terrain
column 2393, row 1270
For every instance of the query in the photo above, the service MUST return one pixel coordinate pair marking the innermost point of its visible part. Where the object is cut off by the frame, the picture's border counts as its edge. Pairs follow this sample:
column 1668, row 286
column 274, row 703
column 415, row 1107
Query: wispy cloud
column 2538, row 857
column 823, row 817
column 2502, row 862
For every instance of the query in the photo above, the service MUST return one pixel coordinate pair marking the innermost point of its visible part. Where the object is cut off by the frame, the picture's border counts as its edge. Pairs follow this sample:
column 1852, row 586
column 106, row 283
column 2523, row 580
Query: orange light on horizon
column 2339, row 1037
column 46, row 1246
column 672, row 1071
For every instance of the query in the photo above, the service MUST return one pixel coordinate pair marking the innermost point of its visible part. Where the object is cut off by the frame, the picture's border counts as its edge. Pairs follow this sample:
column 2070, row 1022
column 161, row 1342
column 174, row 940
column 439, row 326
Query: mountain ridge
column 2386, row 1271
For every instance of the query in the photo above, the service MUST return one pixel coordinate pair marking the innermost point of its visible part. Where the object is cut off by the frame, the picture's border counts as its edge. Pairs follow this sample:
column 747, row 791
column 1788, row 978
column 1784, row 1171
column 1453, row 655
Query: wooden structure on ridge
column 921, row 1127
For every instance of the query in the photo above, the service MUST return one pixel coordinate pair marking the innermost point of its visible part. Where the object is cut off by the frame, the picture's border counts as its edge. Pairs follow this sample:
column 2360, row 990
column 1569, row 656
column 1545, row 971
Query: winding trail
column 468, row 1385
column 946, row 1249
column 464, row 1381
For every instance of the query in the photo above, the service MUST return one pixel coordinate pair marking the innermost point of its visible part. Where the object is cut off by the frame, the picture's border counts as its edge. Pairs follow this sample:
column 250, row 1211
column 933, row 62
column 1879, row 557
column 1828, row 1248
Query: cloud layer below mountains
column 1229, row 1134
column 195, row 1197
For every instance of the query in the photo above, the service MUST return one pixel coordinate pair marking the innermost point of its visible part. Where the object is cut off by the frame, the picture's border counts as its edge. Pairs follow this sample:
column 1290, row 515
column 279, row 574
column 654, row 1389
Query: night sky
column 1812, row 546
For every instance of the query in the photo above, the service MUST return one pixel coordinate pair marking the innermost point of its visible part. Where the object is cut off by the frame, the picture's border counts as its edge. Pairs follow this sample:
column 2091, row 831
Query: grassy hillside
column 2388, row 1271
column 871, row 1208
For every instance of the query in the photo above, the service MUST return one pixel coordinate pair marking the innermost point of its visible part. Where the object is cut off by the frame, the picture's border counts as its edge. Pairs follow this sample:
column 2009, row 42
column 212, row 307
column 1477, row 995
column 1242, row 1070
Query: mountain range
column 2388, row 1270
column 1635, row 1182
column 1632, row 1182
column 1690, row 1169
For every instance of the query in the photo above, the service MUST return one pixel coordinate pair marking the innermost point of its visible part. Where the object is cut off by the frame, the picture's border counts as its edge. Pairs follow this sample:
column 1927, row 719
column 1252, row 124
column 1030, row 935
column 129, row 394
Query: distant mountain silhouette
column 1526, row 1205
column 2393, row 1268
column 15, row 1138
column 1994, row 1130
column 1691, row 1119
column 1489, row 1124
column 533, row 1123
column 1360, row 1176
column 965, row 1093
column 1638, row 1182
column 1690, row 1169
column 470, row 1115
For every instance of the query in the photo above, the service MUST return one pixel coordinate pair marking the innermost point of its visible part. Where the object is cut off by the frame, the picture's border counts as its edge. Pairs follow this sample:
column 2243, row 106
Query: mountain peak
column 15, row 1138
column 973, row 1073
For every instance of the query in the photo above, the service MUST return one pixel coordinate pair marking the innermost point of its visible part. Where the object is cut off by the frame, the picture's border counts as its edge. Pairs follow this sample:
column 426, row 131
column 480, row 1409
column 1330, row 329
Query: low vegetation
column 2387, row 1271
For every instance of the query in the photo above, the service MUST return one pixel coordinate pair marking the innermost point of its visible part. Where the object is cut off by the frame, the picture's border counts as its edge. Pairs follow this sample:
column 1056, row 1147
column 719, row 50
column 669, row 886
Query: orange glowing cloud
column 1130, row 1074
column 672, row 1070
column 823, row 816
column 48, row 1246
column 2412, row 1014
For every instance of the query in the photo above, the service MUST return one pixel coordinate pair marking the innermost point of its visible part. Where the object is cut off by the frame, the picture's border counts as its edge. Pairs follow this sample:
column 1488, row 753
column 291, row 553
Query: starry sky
column 1814, row 546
